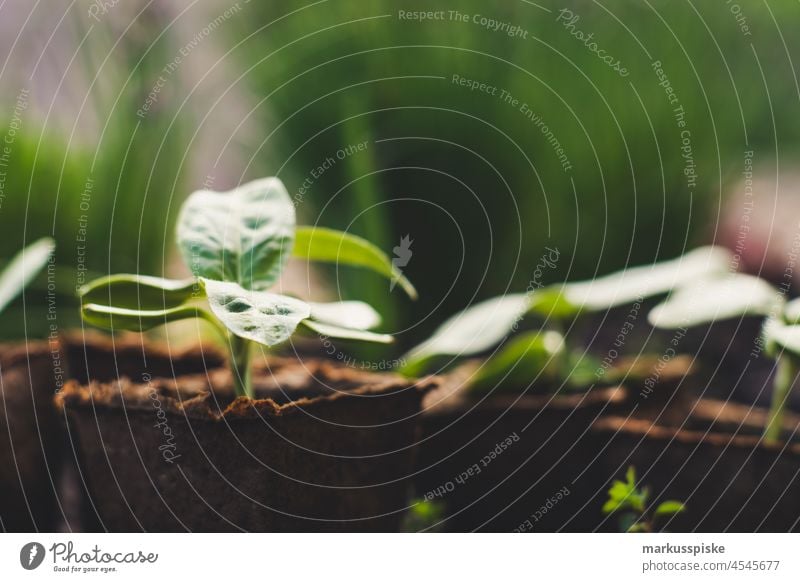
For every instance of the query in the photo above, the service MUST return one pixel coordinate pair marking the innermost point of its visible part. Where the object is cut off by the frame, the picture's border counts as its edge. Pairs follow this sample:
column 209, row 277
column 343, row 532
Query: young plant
column 630, row 503
column 736, row 295
column 237, row 244
column 424, row 515
column 546, row 353
column 21, row 270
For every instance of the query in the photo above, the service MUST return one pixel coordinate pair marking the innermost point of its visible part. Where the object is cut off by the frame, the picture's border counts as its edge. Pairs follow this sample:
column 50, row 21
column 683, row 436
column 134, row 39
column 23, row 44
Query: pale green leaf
column 121, row 319
column 244, row 235
column 715, row 299
column 349, row 314
column 632, row 284
column 475, row 329
column 333, row 246
column 138, row 292
column 334, row 331
column 260, row 316
column 525, row 358
column 780, row 336
column 21, row 270
column 669, row 508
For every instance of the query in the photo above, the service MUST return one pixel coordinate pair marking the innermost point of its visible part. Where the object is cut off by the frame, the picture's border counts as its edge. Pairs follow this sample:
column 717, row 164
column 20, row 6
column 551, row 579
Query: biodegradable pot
column 715, row 462
column 323, row 448
column 495, row 462
column 538, row 481
column 29, row 437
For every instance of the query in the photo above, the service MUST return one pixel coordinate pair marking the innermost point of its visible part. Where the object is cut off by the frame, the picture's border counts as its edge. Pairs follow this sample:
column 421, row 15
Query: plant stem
column 240, row 366
column 784, row 379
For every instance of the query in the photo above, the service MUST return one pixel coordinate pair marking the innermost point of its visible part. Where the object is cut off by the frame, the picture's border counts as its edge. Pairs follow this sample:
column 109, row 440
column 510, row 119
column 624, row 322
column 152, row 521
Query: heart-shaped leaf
column 138, row 292
column 708, row 300
column 473, row 330
column 334, row 331
column 121, row 319
column 347, row 314
column 23, row 268
column 779, row 336
column 628, row 285
column 332, row 246
column 244, row 235
column 260, row 316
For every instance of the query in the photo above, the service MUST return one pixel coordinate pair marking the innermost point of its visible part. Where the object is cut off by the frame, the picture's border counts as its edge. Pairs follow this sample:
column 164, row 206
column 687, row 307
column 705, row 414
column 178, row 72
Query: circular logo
column 31, row 555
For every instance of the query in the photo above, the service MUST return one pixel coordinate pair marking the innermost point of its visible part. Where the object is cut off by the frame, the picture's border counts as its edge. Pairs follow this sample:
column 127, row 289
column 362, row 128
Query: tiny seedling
column 736, row 295
column 237, row 244
column 424, row 516
column 629, row 502
column 546, row 354
column 21, row 270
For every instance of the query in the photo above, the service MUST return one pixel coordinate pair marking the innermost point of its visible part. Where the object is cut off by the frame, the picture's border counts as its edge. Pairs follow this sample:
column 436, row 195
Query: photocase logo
column 31, row 555
column 402, row 254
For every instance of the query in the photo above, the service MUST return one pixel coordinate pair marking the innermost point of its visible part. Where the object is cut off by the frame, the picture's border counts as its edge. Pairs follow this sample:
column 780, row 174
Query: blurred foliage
column 106, row 199
column 473, row 181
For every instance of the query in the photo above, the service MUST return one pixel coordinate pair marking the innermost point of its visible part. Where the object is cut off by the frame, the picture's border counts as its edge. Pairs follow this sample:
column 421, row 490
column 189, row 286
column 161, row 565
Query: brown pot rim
column 124, row 393
column 645, row 429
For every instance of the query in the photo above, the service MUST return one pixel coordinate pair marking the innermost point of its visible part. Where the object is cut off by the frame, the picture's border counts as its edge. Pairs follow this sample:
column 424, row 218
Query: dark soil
column 324, row 448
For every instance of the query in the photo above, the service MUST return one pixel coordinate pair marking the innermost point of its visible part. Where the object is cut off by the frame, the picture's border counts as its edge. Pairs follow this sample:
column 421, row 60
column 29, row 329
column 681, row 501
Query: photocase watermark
column 784, row 287
column 568, row 20
column 650, row 383
column 53, row 344
column 402, row 255
column 474, row 470
column 739, row 16
column 31, row 555
column 368, row 365
column 486, row 22
column 679, row 114
column 84, row 205
column 747, row 211
column 171, row 67
column 546, row 507
column 168, row 448
column 322, row 167
column 100, row 8
column 548, row 260
column 6, row 148
column 622, row 337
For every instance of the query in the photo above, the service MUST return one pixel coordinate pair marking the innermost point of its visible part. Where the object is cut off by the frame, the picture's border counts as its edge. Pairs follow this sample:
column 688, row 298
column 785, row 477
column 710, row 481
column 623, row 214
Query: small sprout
column 630, row 503
column 487, row 324
column 735, row 295
column 237, row 244
column 22, row 269
column 424, row 515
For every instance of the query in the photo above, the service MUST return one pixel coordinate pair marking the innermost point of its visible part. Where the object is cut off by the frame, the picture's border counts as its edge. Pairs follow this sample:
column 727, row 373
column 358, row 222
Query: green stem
column 240, row 368
column 784, row 379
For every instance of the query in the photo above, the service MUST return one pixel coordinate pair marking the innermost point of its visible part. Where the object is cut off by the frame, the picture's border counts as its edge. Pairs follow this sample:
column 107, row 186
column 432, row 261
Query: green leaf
column 669, row 508
column 778, row 337
column 629, row 285
column 138, row 292
column 552, row 303
column 119, row 319
column 525, row 358
column 715, row 299
column 349, row 314
column 333, row 246
column 473, row 330
column 335, row 331
column 260, row 316
column 244, row 235
column 791, row 313
column 23, row 268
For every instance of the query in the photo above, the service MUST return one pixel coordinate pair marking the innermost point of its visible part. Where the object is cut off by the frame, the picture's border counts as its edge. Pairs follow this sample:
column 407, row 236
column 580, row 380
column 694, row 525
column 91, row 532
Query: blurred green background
column 475, row 182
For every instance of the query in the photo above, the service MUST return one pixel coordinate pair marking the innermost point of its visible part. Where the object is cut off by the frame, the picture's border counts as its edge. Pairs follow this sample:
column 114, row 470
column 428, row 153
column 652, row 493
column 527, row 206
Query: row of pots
column 326, row 447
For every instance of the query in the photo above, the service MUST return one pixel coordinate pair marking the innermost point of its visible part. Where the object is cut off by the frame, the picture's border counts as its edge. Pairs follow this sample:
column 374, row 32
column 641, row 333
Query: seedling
column 237, row 244
column 23, row 268
column 736, row 295
column 546, row 353
column 630, row 503
column 424, row 515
